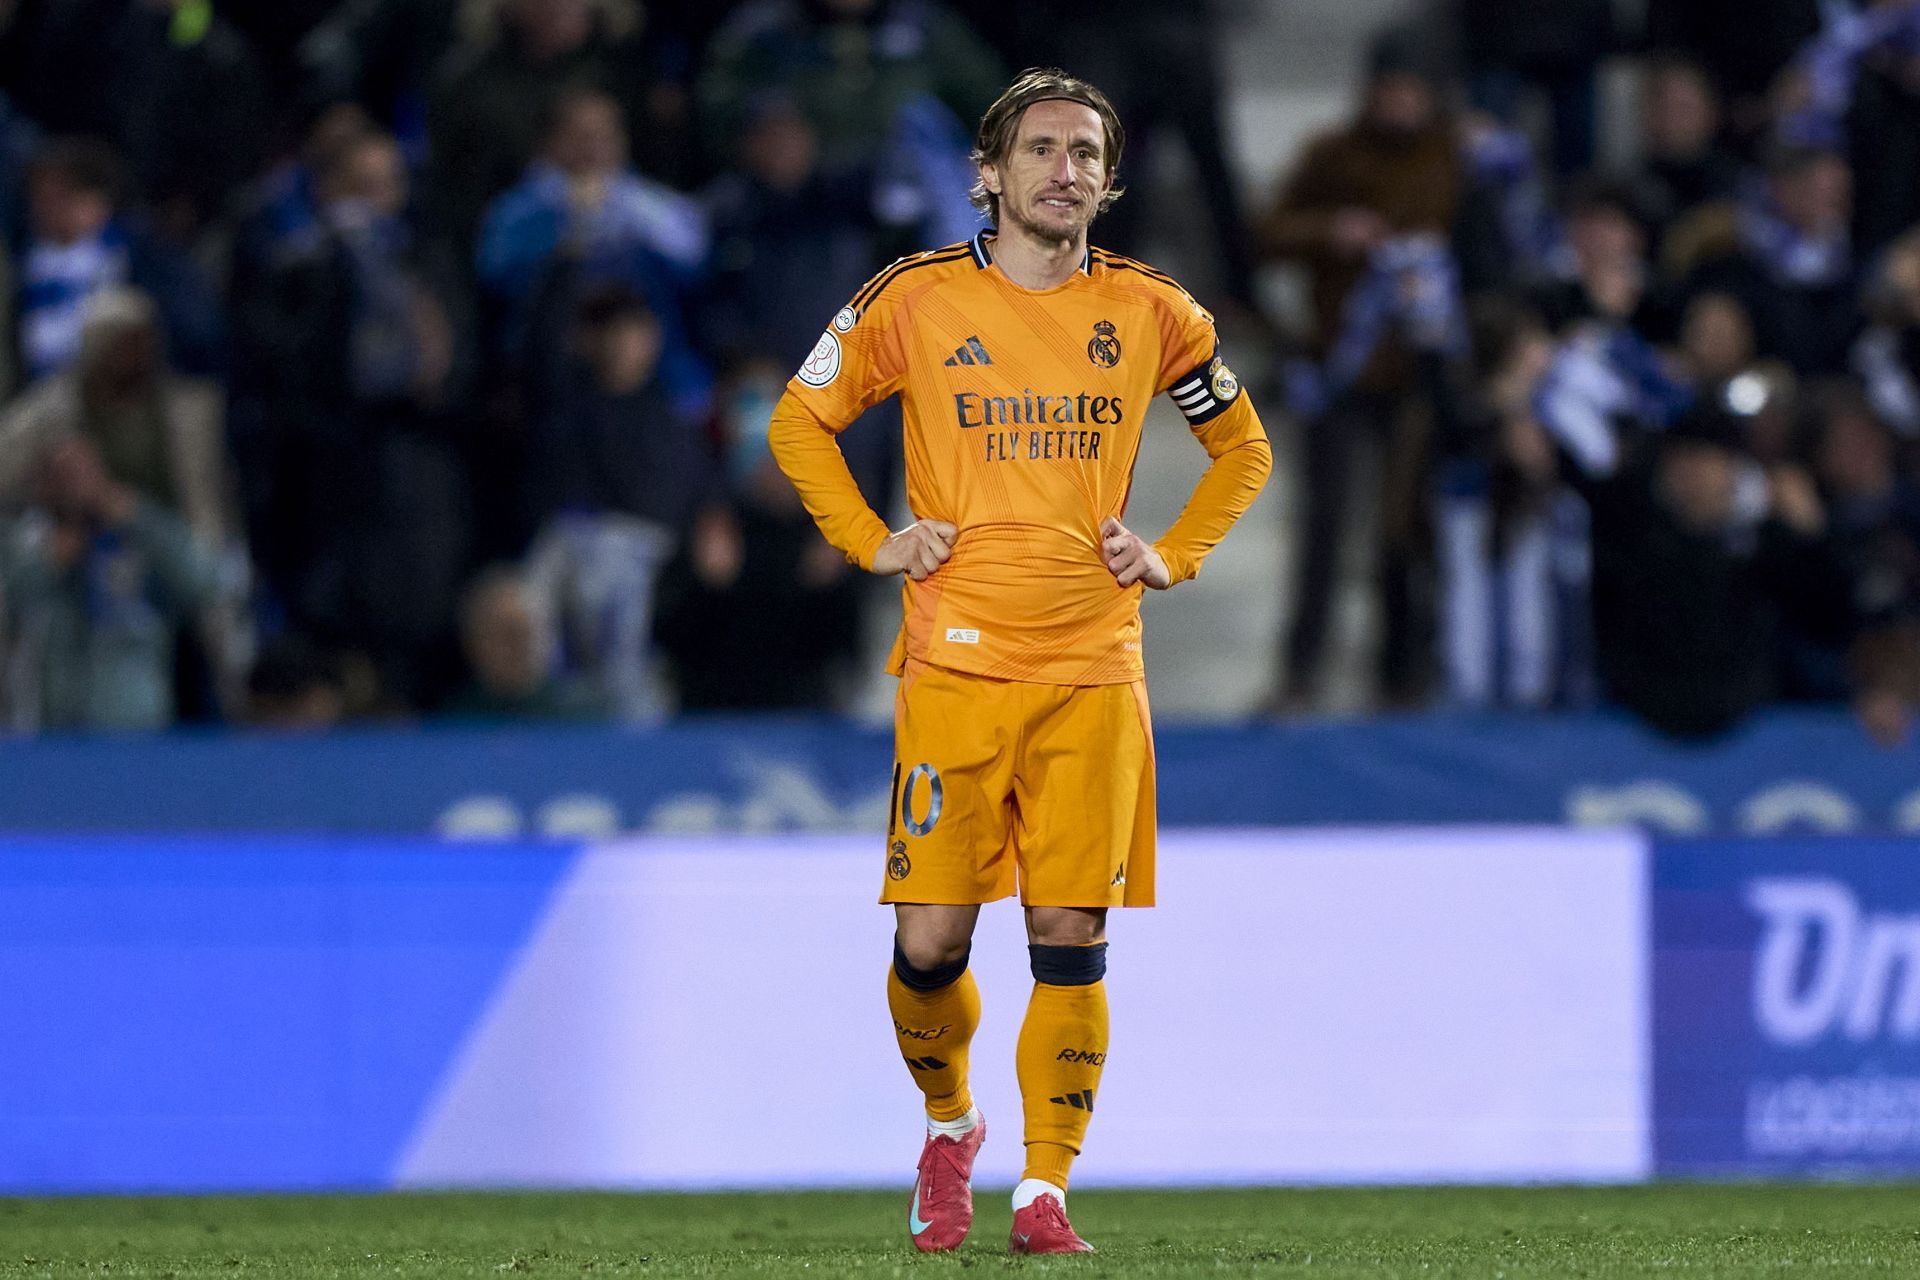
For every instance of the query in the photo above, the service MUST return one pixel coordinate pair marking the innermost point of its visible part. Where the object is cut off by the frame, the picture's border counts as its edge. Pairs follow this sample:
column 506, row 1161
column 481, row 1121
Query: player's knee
column 1066, row 926
column 930, row 966
column 1068, row 966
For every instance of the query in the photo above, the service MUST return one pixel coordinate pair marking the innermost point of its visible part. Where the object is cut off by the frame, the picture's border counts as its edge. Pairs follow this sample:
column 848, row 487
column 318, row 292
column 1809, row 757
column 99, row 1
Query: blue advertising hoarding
column 1789, row 771
column 194, row 1014
column 1786, row 998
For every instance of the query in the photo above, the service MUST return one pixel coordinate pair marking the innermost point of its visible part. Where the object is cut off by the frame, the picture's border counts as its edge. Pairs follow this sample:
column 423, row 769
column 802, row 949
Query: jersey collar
column 983, row 257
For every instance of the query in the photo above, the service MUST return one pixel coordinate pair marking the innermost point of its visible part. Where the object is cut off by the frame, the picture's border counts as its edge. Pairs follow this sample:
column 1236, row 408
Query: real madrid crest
column 1104, row 347
column 1225, row 385
column 899, row 867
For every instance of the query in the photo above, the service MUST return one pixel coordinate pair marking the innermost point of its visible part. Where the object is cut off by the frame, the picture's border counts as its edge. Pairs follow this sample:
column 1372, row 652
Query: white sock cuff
column 954, row 1128
column 1031, row 1189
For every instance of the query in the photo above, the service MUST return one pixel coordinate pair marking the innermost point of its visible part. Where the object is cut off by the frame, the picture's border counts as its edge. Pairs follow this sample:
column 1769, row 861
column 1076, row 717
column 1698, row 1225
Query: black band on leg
column 1068, row 966
column 941, row 975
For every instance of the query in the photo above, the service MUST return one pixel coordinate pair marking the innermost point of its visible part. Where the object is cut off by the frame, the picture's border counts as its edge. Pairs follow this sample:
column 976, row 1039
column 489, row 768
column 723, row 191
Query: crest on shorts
column 898, row 865
column 1104, row 347
column 1225, row 385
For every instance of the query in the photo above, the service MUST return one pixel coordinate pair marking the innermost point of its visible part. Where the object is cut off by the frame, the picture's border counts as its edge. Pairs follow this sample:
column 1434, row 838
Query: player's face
column 1054, row 175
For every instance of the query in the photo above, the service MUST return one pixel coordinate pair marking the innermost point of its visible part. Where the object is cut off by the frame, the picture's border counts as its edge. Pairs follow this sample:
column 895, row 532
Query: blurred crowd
column 1639, row 390
column 413, row 358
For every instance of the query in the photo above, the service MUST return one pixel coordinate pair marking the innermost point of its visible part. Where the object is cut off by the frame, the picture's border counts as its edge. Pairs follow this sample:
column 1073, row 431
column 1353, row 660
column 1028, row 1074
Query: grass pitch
column 1691, row 1231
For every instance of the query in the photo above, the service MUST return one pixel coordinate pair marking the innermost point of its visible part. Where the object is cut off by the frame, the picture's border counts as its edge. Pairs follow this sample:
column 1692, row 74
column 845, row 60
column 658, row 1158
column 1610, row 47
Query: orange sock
column 934, row 1017
column 1063, row 1046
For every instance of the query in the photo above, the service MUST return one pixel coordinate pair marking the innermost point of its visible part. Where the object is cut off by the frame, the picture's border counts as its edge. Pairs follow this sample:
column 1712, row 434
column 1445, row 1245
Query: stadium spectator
column 1607, row 276
column 1883, row 133
column 1681, row 163
column 379, row 56
column 284, row 202
column 156, row 432
column 1874, row 508
column 1504, row 624
column 488, row 110
column 610, row 442
column 1887, row 355
column 1794, row 267
column 853, row 66
column 1357, row 195
column 1701, row 563
column 357, row 356
column 792, row 240
column 98, row 582
column 1716, row 339
column 162, row 435
column 509, row 644
column 582, row 217
column 78, row 243
column 758, row 611
column 1547, row 48
column 1742, row 45
column 613, row 477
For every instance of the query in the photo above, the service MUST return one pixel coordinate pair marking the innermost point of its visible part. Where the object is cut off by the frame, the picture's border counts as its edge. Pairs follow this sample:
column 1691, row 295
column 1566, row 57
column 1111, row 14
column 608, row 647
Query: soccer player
column 1024, row 756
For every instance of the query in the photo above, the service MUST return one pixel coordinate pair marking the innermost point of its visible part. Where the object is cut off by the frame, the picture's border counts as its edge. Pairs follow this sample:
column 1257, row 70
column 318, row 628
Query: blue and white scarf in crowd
column 1830, row 65
column 56, row 281
column 1790, row 255
column 1603, row 377
column 1880, row 363
column 1502, row 161
column 1412, row 287
column 384, row 353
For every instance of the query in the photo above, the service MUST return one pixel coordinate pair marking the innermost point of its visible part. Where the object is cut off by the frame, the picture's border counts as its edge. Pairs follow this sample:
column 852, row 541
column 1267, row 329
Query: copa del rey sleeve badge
column 822, row 364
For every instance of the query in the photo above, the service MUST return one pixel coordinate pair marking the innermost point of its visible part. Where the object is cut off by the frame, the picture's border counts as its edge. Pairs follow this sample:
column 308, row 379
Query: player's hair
column 1002, row 122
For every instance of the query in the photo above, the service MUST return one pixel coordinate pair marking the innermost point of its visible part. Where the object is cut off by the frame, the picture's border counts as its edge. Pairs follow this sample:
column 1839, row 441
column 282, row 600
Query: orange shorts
column 994, row 779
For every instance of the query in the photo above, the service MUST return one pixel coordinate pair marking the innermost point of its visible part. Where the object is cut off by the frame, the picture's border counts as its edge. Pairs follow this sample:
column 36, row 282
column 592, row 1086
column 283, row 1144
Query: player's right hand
column 916, row 550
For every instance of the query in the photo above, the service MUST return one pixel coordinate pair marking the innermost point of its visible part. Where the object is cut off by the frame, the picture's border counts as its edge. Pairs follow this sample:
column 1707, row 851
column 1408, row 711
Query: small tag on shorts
column 963, row 635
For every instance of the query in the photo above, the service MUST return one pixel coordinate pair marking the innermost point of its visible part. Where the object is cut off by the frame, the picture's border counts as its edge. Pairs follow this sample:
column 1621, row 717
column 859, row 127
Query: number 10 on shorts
column 920, row 795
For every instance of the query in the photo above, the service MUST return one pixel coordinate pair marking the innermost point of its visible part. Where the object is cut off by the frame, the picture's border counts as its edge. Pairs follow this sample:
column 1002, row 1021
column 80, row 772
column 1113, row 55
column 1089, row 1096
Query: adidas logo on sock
column 1081, row 1101
column 971, row 353
column 926, row 1064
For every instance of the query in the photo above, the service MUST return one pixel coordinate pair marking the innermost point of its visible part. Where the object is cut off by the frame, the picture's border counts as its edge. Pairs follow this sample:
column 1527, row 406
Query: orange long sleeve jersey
column 1023, row 414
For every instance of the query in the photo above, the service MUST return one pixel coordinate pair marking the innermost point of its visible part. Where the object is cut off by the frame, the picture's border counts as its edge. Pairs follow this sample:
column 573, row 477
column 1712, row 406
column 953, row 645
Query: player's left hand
column 1131, row 558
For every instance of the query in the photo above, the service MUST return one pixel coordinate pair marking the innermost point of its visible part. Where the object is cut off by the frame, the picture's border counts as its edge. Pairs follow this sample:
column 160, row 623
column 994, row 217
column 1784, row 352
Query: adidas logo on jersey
column 971, row 352
column 1081, row 1101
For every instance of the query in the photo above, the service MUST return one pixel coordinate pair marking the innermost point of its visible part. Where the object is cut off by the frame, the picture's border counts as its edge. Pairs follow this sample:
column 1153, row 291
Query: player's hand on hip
column 1131, row 558
column 916, row 550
